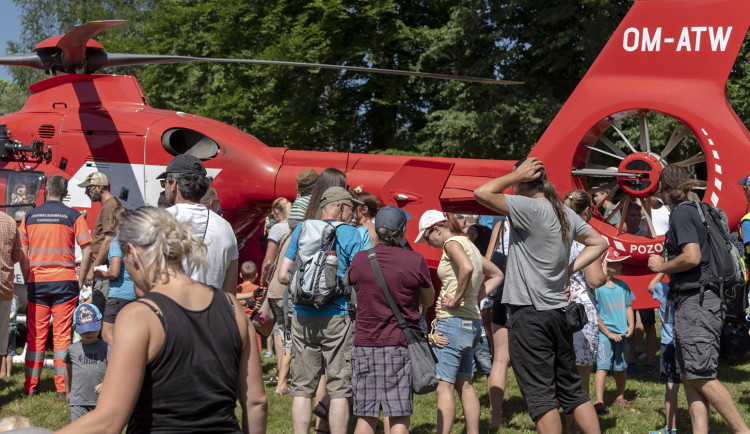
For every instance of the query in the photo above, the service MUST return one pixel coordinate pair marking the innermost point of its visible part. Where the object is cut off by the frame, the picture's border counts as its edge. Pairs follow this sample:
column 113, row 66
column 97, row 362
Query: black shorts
column 499, row 314
column 543, row 360
column 648, row 317
column 668, row 364
column 114, row 306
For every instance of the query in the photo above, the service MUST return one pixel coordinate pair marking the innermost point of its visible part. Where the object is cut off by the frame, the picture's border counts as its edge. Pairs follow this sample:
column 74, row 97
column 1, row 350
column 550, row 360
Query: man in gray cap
column 321, row 336
column 185, row 182
column 97, row 189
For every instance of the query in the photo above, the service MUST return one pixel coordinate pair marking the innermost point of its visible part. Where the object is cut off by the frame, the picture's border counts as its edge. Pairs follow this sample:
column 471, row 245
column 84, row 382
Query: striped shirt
column 51, row 232
column 298, row 210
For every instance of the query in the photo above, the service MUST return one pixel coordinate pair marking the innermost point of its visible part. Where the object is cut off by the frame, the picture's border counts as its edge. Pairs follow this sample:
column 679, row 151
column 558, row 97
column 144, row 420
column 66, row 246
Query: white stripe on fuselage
column 139, row 180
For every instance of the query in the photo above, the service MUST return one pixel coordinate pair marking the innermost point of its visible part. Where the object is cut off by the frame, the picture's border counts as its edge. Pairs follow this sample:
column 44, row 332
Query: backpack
column 314, row 280
column 725, row 273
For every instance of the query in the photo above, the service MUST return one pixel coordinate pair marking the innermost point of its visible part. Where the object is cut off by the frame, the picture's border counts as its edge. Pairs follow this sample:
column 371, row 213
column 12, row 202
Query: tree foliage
column 548, row 44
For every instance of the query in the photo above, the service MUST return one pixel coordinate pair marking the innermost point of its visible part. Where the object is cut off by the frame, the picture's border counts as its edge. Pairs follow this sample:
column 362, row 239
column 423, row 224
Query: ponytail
column 550, row 193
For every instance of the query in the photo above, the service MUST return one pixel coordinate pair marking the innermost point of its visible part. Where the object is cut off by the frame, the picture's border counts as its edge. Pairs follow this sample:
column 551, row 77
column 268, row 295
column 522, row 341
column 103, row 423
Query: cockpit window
column 21, row 190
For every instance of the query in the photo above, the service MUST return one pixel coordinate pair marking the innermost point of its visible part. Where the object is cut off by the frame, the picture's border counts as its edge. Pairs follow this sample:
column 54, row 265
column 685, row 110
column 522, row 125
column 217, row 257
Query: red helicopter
column 666, row 63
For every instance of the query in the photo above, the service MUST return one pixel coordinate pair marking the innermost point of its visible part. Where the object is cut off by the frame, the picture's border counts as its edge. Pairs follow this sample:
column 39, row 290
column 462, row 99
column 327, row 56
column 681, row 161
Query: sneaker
column 648, row 371
column 664, row 430
column 267, row 355
column 271, row 379
column 601, row 408
column 34, row 392
column 622, row 402
column 61, row 395
column 632, row 371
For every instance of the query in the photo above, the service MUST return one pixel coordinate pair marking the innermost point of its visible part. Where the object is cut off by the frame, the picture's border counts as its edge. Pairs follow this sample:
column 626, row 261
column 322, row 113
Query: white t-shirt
column 217, row 234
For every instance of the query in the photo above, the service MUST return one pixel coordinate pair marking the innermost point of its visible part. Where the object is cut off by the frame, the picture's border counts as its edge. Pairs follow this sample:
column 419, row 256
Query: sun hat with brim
column 184, row 164
column 337, row 194
column 613, row 255
column 87, row 318
column 430, row 218
column 306, row 179
column 391, row 217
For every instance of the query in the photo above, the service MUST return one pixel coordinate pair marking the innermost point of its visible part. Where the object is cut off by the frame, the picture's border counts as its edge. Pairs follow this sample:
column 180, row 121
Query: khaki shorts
column 321, row 344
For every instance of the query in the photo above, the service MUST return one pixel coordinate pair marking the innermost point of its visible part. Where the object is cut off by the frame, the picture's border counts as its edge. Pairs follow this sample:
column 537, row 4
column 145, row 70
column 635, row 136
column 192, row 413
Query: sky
column 10, row 29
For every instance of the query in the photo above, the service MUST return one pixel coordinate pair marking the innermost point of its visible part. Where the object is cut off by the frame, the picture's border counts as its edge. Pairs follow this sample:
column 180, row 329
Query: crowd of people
column 168, row 317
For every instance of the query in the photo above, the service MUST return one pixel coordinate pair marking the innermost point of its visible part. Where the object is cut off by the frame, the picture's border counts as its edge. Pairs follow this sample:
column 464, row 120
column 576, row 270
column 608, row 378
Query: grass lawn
column 647, row 411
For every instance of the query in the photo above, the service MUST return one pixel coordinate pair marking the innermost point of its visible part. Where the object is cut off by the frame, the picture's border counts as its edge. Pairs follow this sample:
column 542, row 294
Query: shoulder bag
column 423, row 360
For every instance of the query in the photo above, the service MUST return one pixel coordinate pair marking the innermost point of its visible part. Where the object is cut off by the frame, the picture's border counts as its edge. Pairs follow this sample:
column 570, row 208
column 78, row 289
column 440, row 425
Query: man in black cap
column 185, row 182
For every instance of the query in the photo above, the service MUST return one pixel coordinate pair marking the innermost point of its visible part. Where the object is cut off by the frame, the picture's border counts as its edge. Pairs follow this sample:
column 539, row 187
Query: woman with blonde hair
column 278, row 239
column 280, row 214
column 183, row 357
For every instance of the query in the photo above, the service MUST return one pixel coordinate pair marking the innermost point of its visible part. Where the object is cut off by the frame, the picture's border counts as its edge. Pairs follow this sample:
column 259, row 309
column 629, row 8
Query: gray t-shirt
column 278, row 231
column 89, row 363
column 537, row 269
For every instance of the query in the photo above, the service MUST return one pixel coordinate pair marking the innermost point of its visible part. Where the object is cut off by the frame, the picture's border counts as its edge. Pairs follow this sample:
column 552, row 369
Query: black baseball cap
column 184, row 164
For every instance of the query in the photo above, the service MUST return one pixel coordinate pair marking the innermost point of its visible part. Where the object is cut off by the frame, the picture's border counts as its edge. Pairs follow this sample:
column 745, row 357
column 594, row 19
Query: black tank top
column 190, row 385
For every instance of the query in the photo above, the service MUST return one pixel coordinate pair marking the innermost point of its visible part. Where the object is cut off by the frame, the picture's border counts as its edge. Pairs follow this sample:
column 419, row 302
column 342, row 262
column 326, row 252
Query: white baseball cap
column 430, row 218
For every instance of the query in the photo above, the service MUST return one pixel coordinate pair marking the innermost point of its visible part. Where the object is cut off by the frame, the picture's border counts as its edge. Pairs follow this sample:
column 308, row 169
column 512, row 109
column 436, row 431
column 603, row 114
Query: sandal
column 321, row 411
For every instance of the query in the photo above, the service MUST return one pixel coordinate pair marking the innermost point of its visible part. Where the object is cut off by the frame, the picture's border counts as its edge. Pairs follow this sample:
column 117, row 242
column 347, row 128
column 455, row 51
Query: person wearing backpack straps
column 322, row 336
column 697, row 323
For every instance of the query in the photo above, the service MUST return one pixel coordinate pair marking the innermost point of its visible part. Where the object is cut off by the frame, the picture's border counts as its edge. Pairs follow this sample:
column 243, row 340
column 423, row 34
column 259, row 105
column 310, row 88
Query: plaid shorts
column 381, row 377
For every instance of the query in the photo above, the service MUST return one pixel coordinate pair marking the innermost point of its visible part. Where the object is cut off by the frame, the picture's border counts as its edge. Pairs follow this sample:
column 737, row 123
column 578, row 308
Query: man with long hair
column 698, row 315
column 537, row 273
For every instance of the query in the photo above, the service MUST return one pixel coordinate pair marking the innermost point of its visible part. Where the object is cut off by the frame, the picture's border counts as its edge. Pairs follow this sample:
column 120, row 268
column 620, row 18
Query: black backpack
column 725, row 271
column 725, row 275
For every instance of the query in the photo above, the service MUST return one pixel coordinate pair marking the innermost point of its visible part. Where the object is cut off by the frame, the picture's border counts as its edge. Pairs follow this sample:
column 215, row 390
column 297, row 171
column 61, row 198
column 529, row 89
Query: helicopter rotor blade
column 33, row 60
column 73, row 43
column 99, row 60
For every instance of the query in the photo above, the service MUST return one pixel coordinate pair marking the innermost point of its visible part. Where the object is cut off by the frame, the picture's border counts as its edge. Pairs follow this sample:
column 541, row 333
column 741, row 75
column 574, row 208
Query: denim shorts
column 457, row 357
column 483, row 356
column 612, row 355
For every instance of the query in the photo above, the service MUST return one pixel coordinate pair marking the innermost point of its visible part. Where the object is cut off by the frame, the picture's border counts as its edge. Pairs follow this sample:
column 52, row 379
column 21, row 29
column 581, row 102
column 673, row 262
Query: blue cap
column 391, row 217
column 87, row 318
column 745, row 182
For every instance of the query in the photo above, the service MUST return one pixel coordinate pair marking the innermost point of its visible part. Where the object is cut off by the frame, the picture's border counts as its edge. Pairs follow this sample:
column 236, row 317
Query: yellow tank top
column 448, row 272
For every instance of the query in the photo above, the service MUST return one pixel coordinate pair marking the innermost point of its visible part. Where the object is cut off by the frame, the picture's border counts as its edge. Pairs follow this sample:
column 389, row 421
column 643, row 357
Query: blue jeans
column 457, row 357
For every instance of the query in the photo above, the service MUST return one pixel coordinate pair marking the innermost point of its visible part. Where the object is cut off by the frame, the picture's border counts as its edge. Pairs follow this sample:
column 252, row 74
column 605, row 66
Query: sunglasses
column 163, row 182
column 89, row 188
column 427, row 233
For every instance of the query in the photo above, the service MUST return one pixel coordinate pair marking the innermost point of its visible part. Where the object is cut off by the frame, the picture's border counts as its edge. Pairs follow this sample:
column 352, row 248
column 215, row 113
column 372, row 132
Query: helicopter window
column 178, row 141
column 21, row 189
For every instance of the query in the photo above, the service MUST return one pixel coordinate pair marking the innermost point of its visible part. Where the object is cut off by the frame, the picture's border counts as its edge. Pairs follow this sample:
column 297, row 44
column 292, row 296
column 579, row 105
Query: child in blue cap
column 86, row 362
